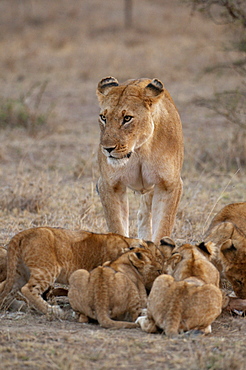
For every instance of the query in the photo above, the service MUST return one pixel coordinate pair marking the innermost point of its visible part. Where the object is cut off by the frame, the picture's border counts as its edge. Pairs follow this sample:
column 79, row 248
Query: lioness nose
column 109, row 149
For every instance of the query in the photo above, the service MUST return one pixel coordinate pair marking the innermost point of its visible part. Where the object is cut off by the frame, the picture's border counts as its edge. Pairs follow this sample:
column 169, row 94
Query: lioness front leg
column 145, row 216
column 115, row 205
column 164, row 208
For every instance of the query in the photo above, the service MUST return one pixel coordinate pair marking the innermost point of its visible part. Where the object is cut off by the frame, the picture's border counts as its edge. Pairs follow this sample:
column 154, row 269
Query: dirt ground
column 52, row 55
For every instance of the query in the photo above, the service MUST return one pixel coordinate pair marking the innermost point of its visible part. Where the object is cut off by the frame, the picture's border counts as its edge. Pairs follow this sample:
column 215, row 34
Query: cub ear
column 228, row 250
column 106, row 84
column 174, row 260
column 107, row 263
column 207, row 248
column 166, row 246
column 139, row 255
column 167, row 241
column 136, row 258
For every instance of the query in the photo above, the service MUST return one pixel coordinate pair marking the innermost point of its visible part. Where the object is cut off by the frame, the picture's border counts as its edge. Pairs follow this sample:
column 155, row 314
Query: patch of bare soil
column 48, row 175
column 29, row 340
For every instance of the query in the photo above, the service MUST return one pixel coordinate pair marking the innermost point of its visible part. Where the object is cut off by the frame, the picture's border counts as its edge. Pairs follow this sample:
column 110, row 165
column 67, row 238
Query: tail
column 173, row 315
column 102, row 304
column 12, row 260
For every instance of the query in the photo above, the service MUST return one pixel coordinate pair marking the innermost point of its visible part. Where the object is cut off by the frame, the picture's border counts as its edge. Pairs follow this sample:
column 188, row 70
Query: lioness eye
column 127, row 119
column 103, row 118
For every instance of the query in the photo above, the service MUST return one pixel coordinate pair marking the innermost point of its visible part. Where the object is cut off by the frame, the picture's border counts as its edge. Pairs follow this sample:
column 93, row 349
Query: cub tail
column 102, row 305
column 173, row 317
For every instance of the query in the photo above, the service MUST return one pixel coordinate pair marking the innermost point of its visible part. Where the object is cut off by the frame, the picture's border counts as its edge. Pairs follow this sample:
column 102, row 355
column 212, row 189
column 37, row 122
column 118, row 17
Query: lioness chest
column 137, row 176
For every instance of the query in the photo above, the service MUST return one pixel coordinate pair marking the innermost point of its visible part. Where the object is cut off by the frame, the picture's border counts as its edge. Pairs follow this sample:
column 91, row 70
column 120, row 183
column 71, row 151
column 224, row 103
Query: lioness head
column 230, row 243
column 125, row 118
column 233, row 256
column 220, row 233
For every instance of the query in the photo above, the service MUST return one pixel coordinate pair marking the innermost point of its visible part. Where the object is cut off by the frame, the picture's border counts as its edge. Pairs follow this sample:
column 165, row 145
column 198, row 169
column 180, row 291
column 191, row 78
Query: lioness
column 141, row 147
column 115, row 289
column 40, row 256
column 176, row 306
column 227, row 232
column 190, row 298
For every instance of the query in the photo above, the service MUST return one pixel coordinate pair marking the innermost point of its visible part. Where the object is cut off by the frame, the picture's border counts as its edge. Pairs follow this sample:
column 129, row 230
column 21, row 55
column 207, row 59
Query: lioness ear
column 220, row 233
column 228, row 250
column 166, row 246
column 154, row 88
column 152, row 92
column 105, row 85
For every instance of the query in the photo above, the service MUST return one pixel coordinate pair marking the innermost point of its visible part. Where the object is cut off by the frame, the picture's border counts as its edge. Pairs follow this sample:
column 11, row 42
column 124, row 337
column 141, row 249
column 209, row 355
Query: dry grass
column 24, row 341
column 48, row 178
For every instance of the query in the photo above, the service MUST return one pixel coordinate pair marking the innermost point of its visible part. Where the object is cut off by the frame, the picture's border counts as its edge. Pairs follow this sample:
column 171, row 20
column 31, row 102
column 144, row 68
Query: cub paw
column 140, row 320
column 55, row 311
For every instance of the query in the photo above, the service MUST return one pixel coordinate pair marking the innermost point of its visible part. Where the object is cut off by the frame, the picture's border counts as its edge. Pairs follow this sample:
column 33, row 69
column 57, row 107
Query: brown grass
column 49, row 178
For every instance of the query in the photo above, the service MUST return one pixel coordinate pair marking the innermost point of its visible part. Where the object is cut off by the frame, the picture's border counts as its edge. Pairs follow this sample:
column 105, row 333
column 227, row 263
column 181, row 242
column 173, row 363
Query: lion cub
column 115, row 290
column 176, row 306
column 189, row 299
column 227, row 232
column 40, row 256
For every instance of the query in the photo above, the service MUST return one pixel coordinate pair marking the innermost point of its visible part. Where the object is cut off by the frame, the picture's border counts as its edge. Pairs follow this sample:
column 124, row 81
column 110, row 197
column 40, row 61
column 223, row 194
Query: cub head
column 146, row 265
column 125, row 118
column 233, row 257
column 189, row 260
column 162, row 251
column 138, row 243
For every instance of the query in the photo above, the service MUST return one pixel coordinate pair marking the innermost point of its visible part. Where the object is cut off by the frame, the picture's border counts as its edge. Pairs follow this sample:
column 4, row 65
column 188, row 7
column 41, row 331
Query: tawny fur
column 39, row 257
column 3, row 263
column 177, row 306
column 116, row 290
column 234, row 213
column 141, row 147
column 190, row 299
column 228, row 234
column 192, row 261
